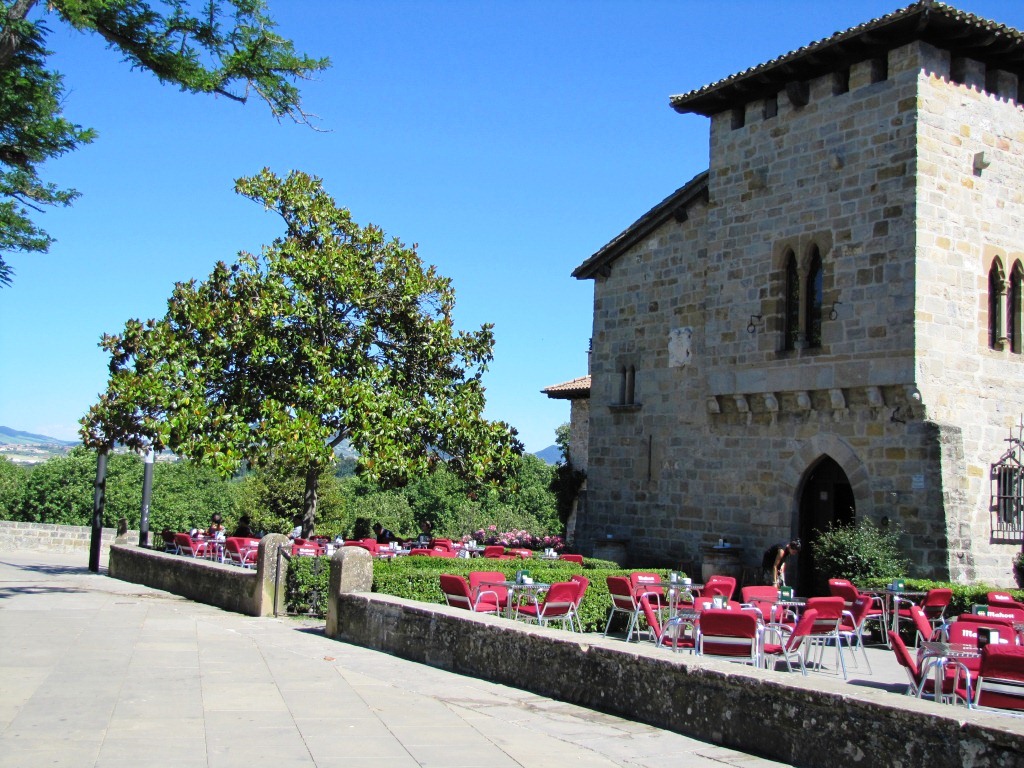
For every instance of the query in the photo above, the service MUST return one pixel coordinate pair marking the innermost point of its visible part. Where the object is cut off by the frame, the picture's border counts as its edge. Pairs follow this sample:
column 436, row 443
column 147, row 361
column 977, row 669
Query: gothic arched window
column 791, row 320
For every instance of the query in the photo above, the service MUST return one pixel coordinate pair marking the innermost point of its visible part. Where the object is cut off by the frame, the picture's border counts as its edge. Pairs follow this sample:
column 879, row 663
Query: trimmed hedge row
column 416, row 578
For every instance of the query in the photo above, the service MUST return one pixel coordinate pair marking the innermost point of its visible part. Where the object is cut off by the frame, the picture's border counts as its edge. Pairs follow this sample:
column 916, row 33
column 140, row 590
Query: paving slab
column 97, row 672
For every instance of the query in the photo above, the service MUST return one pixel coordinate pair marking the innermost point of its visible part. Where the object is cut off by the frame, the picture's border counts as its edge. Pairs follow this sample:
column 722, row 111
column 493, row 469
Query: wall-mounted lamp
column 834, row 313
column 755, row 320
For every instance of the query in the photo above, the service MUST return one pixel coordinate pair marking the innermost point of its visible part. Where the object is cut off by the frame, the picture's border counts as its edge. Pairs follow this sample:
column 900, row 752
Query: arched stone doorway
column 826, row 498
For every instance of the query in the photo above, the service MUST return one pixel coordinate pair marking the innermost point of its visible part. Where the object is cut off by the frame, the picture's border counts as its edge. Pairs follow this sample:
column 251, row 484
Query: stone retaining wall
column 18, row 537
column 242, row 590
column 804, row 721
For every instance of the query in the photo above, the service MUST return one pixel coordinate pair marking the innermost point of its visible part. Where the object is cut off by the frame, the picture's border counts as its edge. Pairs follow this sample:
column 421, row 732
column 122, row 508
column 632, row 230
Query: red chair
column 524, row 554
column 309, row 549
column 445, row 543
column 442, row 552
column 719, row 585
column 496, row 552
column 934, row 606
column 923, row 629
column 876, row 610
column 420, row 552
column 729, row 634
column 486, row 580
column 673, row 634
column 851, row 627
column 578, row 559
column 1004, row 600
column 373, row 548
column 826, row 628
column 623, row 601
column 793, row 645
column 188, row 546
column 583, row 583
column 1001, row 678
column 763, row 599
column 648, row 584
column 558, row 605
column 458, row 594
column 239, row 553
column 999, row 611
column 921, row 681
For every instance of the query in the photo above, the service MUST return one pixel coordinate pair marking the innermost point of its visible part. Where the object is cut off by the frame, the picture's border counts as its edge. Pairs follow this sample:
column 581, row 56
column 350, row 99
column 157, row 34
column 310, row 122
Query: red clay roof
column 936, row 23
column 576, row 389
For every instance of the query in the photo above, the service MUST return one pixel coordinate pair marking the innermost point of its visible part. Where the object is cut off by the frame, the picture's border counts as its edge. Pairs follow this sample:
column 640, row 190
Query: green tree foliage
column 12, row 485
column 859, row 552
column 334, row 333
column 60, row 491
column 224, row 47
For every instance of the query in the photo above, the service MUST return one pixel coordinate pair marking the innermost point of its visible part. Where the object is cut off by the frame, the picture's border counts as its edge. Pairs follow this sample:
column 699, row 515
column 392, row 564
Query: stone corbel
column 913, row 395
column 838, row 402
column 771, row 404
column 876, row 401
column 712, row 405
column 803, row 400
column 743, row 406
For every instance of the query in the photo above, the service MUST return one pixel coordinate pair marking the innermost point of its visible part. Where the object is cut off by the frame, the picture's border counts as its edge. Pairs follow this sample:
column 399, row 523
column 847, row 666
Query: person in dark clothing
column 384, row 536
column 774, row 561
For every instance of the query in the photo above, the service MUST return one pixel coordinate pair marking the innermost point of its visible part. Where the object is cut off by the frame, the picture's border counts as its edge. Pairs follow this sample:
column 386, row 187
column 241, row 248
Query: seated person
column 297, row 530
column 423, row 540
column 384, row 536
column 244, row 529
column 216, row 529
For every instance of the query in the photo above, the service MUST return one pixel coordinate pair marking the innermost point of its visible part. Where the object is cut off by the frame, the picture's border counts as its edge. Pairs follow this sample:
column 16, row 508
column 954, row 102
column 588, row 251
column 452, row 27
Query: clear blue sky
column 510, row 140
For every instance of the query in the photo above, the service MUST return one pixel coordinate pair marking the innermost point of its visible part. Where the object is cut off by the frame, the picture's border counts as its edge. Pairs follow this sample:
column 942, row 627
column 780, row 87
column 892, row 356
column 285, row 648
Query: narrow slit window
column 815, row 286
column 791, row 320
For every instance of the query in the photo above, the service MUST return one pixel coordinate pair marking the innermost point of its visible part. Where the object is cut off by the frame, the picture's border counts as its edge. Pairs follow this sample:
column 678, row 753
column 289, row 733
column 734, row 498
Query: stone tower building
column 826, row 325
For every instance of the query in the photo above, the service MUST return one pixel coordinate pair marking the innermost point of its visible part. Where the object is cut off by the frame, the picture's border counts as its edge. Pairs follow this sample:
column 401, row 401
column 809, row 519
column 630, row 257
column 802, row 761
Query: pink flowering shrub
column 518, row 539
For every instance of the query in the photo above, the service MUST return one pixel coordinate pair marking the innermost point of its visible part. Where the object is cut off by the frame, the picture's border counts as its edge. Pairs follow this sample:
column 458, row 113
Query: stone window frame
column 996, row 300
column 626, row 397
column 802, row 294
column 1014, row 317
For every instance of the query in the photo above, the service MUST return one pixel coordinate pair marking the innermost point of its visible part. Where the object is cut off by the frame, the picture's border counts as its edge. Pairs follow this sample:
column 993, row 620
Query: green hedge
column 965, row 597
column 416, row 578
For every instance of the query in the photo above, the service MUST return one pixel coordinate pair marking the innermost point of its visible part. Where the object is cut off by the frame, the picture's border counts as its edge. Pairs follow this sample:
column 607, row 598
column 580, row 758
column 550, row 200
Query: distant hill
column 10, row 436
column 551, row 455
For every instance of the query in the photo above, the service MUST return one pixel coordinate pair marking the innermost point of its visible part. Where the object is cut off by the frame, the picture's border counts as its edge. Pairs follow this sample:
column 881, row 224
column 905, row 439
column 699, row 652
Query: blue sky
column 509, row 140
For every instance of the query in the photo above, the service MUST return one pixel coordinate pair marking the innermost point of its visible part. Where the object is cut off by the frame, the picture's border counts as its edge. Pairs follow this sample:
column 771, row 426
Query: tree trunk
column 309, row 502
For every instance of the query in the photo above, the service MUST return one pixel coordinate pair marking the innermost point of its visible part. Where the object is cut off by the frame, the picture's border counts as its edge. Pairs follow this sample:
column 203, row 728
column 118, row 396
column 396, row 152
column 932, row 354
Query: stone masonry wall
column 720, row 446
column 17, row 536
column 968, row 215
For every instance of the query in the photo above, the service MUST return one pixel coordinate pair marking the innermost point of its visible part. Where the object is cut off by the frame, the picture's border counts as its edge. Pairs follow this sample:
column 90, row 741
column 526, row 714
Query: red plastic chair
column 442, row 552
column 239, row 552
column 583, row 583
column 558, row 605
column 876, row 610
column 458, row 594
column 851, row 627
column 923, row 629
column 188, row 546
column 496, row 552
column 719, row 585
column 793, row 645
column 372, row 548
column 485, row 580
column 648, row 584
column 734, row 635
column 578, row 559
column 524, row 554
column 999, row 611
column 920, row 680
column 623, row 601
column 1001, row 677
column 826, row 628
column 763, row 599
column 1004, row 599
column 419, row 552
column 673, row 634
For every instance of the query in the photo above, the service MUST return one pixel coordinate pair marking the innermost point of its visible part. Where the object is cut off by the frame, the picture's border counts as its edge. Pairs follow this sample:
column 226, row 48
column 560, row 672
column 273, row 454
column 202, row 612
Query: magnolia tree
column 334, row 332
column 226, row 47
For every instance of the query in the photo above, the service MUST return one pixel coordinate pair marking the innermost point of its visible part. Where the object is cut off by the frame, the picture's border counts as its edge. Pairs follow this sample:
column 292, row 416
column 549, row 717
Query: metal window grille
column 1007, row 478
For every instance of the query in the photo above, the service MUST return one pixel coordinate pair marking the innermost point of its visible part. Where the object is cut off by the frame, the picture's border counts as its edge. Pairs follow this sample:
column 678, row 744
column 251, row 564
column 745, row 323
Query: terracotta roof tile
column 576, row 389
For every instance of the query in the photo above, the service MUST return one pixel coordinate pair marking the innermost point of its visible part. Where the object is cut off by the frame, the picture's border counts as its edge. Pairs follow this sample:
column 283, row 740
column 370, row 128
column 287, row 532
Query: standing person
column 774, row 562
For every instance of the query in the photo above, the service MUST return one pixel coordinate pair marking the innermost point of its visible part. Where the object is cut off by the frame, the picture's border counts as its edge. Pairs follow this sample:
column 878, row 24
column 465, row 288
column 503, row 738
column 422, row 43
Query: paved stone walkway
column 98, row 672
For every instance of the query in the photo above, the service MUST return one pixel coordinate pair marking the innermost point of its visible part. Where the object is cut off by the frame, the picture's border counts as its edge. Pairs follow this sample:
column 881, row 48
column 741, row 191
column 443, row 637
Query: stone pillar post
column 351, row 571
